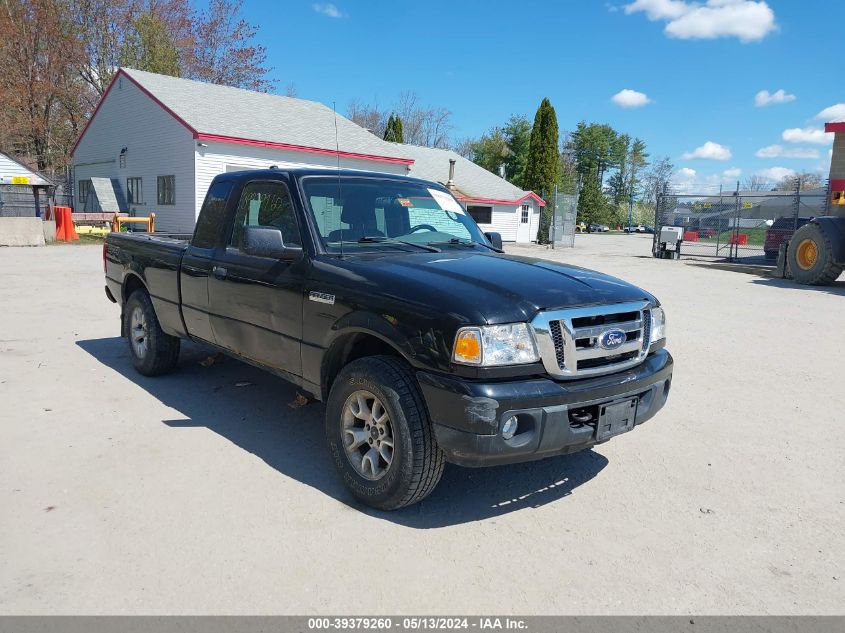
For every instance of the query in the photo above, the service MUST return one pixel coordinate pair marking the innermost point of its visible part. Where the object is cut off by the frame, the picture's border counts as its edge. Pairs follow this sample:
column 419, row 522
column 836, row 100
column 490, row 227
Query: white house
column 161, row 140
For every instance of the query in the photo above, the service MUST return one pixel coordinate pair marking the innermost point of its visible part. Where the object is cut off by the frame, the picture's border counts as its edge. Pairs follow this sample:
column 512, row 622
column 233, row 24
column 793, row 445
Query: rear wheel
column 379, row 434
column 153, row 351
column 810, row 256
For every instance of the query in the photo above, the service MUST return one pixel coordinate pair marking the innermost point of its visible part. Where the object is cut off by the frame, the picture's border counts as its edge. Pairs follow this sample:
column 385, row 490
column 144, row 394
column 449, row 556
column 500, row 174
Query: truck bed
column 155, row 259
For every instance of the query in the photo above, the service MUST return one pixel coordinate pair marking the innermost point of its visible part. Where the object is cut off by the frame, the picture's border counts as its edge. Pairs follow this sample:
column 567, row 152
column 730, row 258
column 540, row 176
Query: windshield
column 366, row 214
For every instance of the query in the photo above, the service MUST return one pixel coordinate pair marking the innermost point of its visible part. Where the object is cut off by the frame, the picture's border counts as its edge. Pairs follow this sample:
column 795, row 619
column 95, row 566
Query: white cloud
column 764, row 97
column 328, row 9
column 688, row 180
column 775, row 173
column 710, row 151
column 779, row 151
column 630, row 99
column 748, row 20
column 815, row 136
column 833, row 113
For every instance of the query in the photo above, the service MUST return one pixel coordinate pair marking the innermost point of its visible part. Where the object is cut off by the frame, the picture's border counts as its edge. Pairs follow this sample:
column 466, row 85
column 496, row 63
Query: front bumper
column 467, row 416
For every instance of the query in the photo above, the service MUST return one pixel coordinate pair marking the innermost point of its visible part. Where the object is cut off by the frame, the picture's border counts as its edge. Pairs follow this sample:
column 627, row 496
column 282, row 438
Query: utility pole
column 630, row 210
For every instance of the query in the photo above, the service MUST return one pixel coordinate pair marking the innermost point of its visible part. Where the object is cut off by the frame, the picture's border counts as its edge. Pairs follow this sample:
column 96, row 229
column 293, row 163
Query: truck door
column 198, row 261
column 256, row 302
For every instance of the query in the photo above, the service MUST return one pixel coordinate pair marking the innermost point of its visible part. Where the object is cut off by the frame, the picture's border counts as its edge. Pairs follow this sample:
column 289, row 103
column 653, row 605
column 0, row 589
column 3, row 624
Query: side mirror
column 265, row 241
column 495, row 239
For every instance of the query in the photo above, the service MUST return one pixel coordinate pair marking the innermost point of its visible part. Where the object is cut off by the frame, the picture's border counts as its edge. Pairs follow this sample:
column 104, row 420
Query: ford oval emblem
column 611, row 339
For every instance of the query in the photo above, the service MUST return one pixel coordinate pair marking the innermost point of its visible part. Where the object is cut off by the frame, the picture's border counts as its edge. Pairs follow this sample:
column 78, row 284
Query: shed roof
column 12, row 168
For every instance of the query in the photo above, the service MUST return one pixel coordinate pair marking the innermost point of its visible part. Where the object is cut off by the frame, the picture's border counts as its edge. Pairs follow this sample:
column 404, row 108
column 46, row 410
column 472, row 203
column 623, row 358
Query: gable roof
column 222, row 113
column 473, row 182
column 11, row 167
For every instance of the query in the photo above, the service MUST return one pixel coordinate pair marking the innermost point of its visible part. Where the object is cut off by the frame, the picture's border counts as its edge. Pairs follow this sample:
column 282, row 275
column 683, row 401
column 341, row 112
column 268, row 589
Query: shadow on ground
column 836, row 288
column 249, row 407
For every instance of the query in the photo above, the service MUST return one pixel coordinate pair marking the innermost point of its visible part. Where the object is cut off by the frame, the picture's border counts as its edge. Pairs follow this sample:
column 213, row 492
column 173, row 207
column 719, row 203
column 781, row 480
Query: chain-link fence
column 562, row 228
column 737, row 226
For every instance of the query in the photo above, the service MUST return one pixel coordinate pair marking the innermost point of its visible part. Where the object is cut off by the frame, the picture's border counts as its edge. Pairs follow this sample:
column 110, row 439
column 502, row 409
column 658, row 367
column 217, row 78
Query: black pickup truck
column 380, row 296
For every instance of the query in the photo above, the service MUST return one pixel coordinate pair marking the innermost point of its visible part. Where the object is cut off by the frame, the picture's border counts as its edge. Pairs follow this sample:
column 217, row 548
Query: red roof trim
column 836, row 126
column 530, row 194
column 200, row 136
column 123, row 73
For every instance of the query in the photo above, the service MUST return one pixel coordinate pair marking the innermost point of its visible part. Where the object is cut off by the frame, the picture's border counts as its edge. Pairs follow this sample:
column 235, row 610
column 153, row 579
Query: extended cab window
column 266, row 204
column 375, row 213
column 212, row 215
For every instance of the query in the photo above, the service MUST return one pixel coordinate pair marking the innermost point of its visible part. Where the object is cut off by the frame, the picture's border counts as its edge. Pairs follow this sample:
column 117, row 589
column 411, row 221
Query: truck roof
column 300, row 172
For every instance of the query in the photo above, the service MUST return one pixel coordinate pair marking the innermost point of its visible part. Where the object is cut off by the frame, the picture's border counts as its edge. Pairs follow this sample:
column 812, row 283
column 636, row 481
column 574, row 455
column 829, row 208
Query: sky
column 725, row 88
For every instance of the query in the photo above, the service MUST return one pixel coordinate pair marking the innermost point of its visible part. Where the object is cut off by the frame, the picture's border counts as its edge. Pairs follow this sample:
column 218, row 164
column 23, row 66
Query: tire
column 416, row 462
column 153, row 352
column 810, row 256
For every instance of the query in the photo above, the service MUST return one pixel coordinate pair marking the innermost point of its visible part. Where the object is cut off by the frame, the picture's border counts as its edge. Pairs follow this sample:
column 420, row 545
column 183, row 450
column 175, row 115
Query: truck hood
column 486, row 287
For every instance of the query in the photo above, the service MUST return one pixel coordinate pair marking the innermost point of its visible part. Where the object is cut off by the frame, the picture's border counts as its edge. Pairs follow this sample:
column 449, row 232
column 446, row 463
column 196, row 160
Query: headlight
column 493, row 345
column 658, row 325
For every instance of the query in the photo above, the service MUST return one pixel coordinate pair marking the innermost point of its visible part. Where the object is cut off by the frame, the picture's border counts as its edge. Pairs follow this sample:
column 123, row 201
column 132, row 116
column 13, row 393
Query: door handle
column 219, row 272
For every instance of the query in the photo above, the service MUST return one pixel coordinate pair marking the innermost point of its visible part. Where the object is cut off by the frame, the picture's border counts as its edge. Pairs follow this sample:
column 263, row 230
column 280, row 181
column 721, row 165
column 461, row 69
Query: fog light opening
column 509, row 427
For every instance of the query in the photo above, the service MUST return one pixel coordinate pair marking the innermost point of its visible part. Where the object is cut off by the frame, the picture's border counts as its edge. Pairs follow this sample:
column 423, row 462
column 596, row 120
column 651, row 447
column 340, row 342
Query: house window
column 481, row 215
column 525, row 212
column 134, row 192
column 84, row 190
column 167, row 189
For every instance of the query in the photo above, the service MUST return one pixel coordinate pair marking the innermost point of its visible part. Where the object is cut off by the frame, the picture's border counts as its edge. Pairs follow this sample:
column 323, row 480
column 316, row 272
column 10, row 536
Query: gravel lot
column 188, row 494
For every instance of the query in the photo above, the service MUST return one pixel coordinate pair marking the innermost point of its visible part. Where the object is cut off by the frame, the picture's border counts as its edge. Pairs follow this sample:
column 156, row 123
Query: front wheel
column 810, row 256
column 153, row 351
column 379, row 434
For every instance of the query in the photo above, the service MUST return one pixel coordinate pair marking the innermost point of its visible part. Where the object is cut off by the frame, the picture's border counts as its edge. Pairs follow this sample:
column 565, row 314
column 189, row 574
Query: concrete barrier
column 21, row 232
column 49, row 227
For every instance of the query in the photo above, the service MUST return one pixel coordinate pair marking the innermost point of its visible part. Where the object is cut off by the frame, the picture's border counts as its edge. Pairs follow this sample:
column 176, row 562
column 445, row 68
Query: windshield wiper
column 378, row 239
column 460, row 242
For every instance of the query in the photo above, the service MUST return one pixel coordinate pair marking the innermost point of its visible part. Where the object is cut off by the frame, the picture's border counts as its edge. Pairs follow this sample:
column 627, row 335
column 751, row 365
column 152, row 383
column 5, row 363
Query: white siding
column 217, row 158
column 504, row 220
column 157, row 145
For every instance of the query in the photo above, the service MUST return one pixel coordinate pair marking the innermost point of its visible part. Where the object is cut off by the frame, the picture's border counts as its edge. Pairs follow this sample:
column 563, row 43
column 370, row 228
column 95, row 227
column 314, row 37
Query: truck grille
column 570, row 340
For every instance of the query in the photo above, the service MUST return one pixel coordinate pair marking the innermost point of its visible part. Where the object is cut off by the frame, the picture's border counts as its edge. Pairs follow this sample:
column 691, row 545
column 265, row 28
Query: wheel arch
column 131, row 283
column 351, row 344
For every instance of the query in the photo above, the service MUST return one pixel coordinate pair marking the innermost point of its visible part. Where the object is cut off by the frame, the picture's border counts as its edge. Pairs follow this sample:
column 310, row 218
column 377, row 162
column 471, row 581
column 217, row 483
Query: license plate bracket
column 615, row 418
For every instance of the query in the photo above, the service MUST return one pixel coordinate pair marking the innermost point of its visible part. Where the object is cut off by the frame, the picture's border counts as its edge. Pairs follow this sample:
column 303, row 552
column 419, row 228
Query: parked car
column 779, row 233
column 380, row 296
column 648, row 229
column 635, row 228
column 597, row 228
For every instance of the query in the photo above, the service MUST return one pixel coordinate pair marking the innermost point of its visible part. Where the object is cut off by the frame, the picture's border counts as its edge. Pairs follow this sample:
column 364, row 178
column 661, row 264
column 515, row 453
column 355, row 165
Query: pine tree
column 397, row 130
column 541, row 169
column 393, row 129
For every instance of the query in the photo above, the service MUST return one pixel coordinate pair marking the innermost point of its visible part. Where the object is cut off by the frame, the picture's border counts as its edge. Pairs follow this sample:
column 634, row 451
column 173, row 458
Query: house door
column 523, row 228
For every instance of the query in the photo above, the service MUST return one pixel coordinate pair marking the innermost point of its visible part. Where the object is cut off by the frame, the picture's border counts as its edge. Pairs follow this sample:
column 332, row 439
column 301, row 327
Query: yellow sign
column 747, row 205
column 20, row 180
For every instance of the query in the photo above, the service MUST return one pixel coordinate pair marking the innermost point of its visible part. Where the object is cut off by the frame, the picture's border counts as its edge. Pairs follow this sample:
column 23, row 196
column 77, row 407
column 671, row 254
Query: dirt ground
column 189, row 494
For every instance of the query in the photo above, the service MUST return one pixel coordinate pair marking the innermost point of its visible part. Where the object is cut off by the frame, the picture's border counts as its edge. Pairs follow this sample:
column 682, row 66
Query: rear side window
column 266, row 204
column 212, row 215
